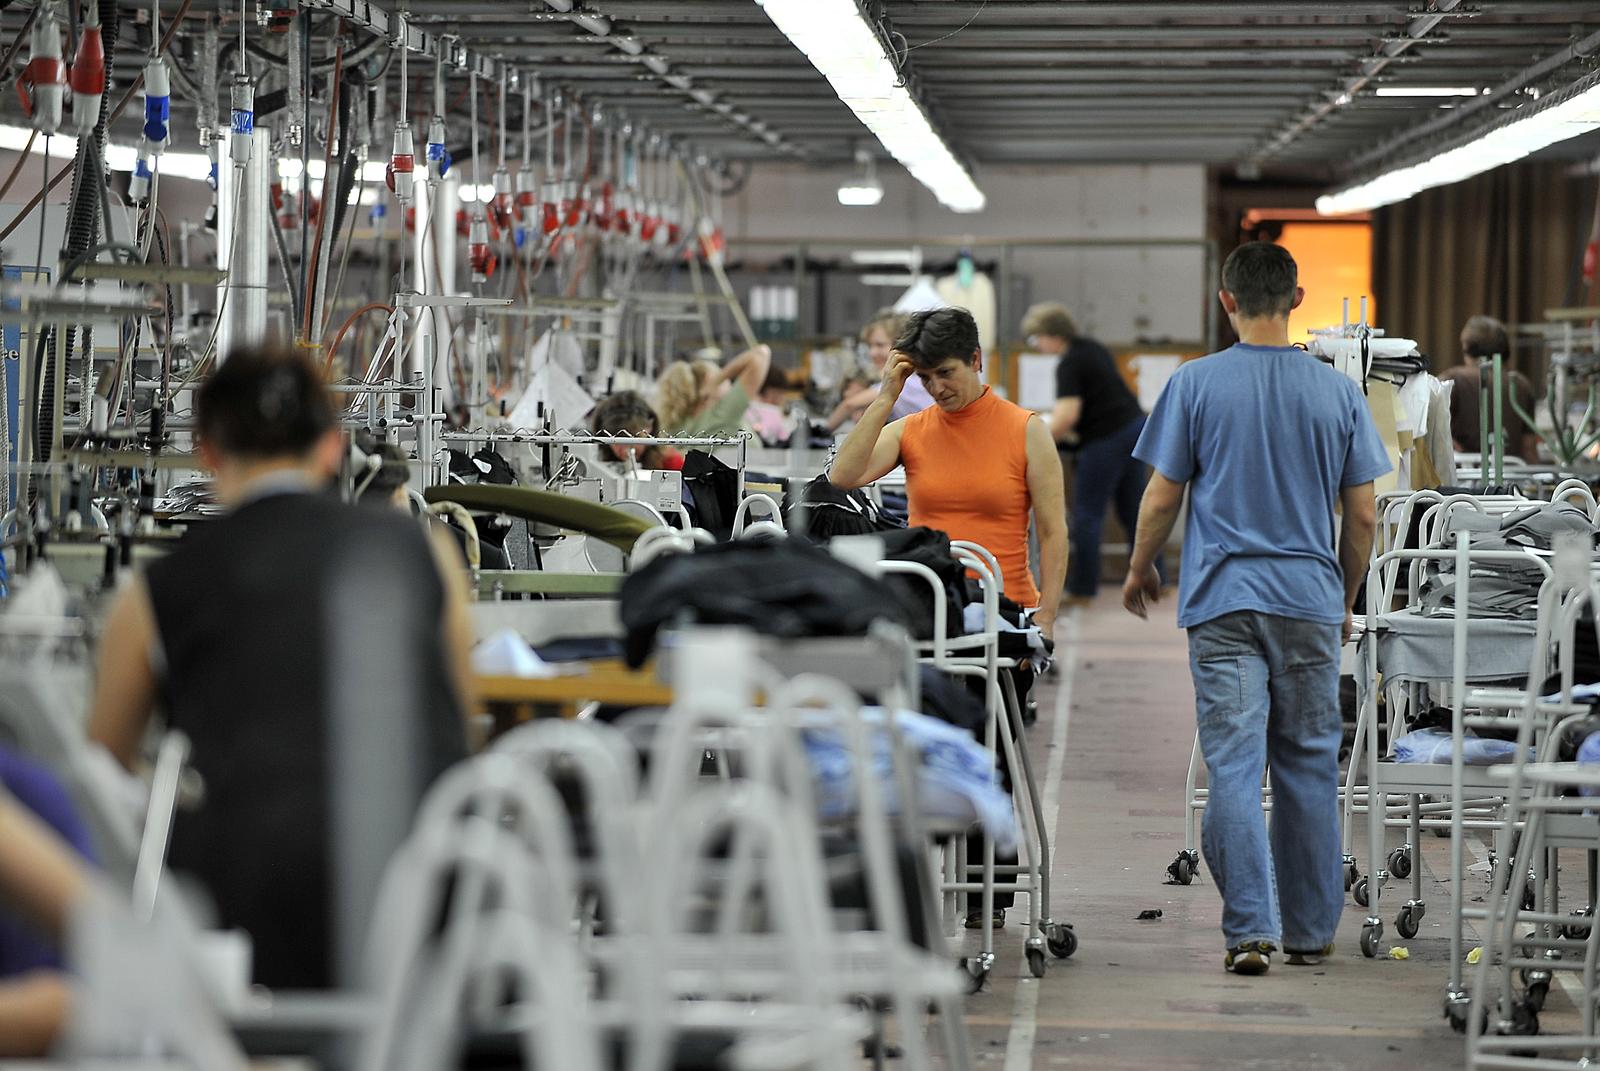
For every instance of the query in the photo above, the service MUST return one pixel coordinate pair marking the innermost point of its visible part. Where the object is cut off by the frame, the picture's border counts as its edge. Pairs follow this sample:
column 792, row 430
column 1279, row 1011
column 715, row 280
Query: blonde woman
column 878, row 336
column 698, row 398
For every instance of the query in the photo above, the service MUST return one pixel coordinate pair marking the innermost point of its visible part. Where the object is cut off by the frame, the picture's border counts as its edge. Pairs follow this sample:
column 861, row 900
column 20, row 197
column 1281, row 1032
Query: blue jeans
column 1267, row 695
column 1107, row 474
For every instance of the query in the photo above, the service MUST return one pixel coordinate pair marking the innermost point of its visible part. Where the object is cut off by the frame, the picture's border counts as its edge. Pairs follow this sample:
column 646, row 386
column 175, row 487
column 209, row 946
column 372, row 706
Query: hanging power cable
column 550, row 197
column 438, row 155
column 479, row 255
column 527, row 183
column 502, row 205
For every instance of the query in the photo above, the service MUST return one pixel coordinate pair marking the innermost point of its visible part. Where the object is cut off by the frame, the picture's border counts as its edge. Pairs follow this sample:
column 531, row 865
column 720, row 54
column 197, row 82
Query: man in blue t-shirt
column 1269, row 443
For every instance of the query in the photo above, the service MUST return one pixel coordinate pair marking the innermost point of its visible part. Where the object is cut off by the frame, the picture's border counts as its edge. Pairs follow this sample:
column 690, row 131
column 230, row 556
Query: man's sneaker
column 1309, row 959
column 975, row 920
column 1252, row 957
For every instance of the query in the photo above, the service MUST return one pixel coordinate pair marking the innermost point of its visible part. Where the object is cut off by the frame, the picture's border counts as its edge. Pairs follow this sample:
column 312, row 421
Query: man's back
column 1266, row 437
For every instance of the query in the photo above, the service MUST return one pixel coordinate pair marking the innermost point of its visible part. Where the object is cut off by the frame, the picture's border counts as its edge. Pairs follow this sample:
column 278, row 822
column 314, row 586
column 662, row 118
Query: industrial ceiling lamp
column 840, row 44
column 1526, row 131
column 864, row 190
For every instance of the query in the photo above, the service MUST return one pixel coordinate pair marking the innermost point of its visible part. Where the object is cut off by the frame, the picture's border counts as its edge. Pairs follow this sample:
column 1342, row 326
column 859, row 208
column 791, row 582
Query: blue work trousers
column 1267, row 697
column 1107, row 474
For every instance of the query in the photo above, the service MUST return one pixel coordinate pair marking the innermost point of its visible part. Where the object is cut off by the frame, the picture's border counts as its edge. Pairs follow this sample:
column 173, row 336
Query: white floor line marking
column 1025, row 1006
column 1571, row 984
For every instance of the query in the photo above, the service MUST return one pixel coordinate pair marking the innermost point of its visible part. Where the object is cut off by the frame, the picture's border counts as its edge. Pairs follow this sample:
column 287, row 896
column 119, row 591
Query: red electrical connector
column 527, row 197
column 403, row 163
column 88, row 74
column 604, row 210
column 624, row 213
column 283, row 203
column 43, row 85
column 503, row 207
column 478, row 252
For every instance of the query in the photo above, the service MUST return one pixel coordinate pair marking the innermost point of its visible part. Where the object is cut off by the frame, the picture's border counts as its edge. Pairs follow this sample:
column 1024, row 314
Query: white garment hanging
column 977, row 299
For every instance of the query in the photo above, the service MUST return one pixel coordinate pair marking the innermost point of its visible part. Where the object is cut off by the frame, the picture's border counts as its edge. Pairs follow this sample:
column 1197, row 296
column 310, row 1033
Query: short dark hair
column 626, row 411
column 1484, row 336
column 934, row 336
column 393, row 472
column 264, row 402
column 777, row 379
column 1262, row 278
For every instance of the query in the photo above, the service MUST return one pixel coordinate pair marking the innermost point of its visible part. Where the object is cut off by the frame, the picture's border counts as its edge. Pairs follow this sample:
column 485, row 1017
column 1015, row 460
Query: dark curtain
column 1508, row 244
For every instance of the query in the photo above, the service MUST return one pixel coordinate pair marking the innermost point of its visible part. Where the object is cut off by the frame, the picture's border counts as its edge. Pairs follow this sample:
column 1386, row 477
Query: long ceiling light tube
column 839, row 43
column 1531, row 128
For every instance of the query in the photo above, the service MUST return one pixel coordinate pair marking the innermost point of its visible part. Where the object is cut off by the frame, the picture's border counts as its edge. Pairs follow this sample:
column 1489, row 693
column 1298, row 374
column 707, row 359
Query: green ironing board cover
column 547, row 507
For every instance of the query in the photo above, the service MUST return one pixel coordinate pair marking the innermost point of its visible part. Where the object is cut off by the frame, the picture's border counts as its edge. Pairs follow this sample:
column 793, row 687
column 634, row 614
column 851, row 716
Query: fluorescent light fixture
column 860, row 196
column 1577, row 114
column 188, row 165
column 864, row 191
column 905, row 258
column 839, row 43
column 1425, row 91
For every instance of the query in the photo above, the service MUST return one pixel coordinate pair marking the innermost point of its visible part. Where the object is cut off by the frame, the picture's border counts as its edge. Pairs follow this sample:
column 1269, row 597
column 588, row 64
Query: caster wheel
column 1456, row 1013
column 1577, row 931
column 1400, row 863
column 1182, row 869
column 1036, row 962
column 976, row 974
column 1535, row 995
column 1359, row 891
column 1371, row 937
column 1524, row 1021
column 1350, row 874
column 1527, row 898
column 1407, row 922
column 1061, row 940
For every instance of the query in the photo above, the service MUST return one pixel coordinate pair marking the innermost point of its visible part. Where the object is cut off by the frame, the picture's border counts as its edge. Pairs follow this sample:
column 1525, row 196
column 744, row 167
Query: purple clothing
column 22, row 949
column 914, row 398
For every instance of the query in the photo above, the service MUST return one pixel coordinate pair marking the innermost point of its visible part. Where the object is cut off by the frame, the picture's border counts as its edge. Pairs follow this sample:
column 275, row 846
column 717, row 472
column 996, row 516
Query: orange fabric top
column 967, row 475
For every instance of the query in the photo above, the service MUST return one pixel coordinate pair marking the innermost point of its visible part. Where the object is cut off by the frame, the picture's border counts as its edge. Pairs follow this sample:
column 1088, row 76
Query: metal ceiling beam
column 1584, row 48
column 1420, row 27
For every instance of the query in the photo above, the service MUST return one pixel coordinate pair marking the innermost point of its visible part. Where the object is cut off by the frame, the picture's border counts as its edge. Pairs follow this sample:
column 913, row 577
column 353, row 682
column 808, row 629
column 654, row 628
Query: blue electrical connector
column 157, row 104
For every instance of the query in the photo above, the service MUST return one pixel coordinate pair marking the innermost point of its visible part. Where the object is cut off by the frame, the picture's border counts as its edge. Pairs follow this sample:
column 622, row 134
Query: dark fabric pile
column 779, row 587
column 825, row 511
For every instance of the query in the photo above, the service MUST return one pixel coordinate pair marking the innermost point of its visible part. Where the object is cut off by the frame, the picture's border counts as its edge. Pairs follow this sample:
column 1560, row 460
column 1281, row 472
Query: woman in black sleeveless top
column 293, row 622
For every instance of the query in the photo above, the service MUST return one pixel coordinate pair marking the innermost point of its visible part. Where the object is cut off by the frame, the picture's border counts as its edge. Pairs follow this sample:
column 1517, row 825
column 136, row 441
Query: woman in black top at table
column 1096, row 415
column 304, row 646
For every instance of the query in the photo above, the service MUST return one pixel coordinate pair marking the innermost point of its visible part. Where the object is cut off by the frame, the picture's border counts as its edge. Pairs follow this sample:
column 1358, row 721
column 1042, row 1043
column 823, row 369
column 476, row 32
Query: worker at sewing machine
column 627, row 414
column 245, row 633
column 699, row 398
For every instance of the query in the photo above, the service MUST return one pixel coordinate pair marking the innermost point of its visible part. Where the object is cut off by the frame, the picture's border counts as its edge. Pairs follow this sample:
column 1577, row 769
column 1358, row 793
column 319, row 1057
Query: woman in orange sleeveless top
column 976, row 465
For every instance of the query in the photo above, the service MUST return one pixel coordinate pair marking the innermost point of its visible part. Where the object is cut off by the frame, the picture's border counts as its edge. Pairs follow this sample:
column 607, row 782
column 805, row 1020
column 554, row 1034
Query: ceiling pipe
column 1582, row 49
column 1371, row 68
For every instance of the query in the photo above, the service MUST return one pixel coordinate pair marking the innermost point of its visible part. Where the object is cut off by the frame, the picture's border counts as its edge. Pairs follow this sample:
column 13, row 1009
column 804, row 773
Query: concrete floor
column 1154, row 994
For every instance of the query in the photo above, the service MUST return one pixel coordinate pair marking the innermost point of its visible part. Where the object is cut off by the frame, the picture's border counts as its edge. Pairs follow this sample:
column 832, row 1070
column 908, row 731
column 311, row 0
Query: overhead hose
column 83, row 231
column 349, row 165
